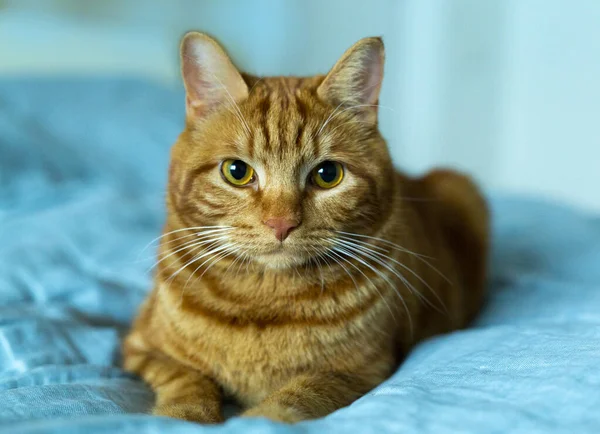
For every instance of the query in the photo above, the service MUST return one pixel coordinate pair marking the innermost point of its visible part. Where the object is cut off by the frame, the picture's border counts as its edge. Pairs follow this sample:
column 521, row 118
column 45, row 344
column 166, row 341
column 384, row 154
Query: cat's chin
column 280, row 259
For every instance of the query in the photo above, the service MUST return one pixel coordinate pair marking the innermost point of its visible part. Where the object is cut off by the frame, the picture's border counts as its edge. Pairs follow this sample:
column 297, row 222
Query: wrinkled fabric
column 82, row 181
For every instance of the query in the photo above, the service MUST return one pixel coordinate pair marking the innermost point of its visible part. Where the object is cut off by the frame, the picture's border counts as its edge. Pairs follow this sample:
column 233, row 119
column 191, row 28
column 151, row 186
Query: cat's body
column 300, row 324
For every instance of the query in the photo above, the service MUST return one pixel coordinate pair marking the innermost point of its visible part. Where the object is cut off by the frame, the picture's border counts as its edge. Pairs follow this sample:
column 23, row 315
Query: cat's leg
column 181, row 392
column 311, row 396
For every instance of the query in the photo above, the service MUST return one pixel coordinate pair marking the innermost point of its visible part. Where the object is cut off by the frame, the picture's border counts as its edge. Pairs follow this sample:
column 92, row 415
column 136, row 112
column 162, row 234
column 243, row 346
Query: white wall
column 550, row 131
column 506, row 89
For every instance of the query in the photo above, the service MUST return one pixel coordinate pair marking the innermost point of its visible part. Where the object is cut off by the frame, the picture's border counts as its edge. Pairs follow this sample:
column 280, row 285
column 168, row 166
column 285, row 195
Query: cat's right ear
column 355, row 80
column 210, row 78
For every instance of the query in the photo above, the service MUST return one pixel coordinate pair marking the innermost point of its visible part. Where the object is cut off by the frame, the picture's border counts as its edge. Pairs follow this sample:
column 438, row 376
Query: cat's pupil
column 327, row 171
column 238, row 169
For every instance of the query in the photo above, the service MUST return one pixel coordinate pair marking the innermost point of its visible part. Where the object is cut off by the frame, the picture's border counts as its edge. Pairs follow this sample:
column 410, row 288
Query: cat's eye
column 328, row 174
column 237, row 172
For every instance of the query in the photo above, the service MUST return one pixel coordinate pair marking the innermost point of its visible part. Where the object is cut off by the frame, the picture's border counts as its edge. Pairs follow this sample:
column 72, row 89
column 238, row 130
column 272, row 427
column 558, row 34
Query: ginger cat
column 297, row 267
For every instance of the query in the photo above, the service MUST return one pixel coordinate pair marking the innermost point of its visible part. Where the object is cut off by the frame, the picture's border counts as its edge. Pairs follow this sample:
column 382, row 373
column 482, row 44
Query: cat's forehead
column 283, row 115
column 281, row 86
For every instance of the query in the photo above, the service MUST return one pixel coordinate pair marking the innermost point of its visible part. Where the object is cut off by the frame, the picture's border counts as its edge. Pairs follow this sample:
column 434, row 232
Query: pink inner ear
column 373, row 76
column 356, row 78
column 195, row 85
column 209, row 76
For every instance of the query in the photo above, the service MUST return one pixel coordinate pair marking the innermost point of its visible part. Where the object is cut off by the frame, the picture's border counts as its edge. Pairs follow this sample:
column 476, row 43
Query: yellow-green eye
column 328, row 174
column 237, row 172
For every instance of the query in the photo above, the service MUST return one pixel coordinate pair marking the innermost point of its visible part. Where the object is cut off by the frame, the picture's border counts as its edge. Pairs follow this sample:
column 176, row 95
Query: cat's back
column 450, row 217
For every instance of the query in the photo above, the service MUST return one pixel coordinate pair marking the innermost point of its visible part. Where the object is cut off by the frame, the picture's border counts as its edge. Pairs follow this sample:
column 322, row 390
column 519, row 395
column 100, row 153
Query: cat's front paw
column 189, row 411
column 275, row 412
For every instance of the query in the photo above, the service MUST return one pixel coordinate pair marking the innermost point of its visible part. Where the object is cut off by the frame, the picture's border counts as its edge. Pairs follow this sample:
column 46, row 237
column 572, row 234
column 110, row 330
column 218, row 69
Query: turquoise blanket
column 82, row 179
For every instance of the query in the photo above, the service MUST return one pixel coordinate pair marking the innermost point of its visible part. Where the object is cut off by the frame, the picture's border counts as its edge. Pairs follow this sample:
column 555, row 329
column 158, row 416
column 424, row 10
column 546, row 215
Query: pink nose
column 281, row 226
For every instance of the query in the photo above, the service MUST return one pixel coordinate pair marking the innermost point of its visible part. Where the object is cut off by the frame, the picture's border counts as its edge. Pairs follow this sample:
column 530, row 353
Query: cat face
column 280, row 165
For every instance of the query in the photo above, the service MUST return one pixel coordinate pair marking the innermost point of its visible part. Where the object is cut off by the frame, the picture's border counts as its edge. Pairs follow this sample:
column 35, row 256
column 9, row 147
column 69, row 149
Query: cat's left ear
column 355, row 80
column 210, row 78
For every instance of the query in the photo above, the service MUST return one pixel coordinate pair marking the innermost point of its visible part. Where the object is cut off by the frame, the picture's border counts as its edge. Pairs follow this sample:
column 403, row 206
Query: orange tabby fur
column 297, row 329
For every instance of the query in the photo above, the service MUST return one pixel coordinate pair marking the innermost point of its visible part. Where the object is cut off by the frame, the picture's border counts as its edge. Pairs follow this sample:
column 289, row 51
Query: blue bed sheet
column 82, row 177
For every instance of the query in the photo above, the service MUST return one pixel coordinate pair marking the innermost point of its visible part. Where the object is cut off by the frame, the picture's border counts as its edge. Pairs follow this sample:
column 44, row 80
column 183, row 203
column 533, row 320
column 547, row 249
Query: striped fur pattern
column 296, row 329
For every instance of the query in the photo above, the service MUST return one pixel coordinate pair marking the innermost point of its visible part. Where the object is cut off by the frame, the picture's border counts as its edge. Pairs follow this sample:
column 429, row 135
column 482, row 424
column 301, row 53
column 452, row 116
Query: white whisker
column 420, row 257
column 375, row 256
column 191, row 228
column 198, row 257
column 225, row 251
column 198, row 237
column 212, row 244
column 191, row 246
column 327, row 254
column 245, row 257
column 384, row 241
column 232, row 248
column 318, row 259
column 238, row 257
column 384, row 277
column 335, row 252
column 406, row 282
column 371, row 245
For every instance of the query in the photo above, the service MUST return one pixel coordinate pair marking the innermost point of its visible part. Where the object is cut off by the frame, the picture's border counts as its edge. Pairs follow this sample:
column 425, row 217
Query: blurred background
column 508, row 90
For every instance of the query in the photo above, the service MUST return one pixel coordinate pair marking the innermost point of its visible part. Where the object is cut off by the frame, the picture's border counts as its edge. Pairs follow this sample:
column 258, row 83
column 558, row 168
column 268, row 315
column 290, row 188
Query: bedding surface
column 82, row 178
